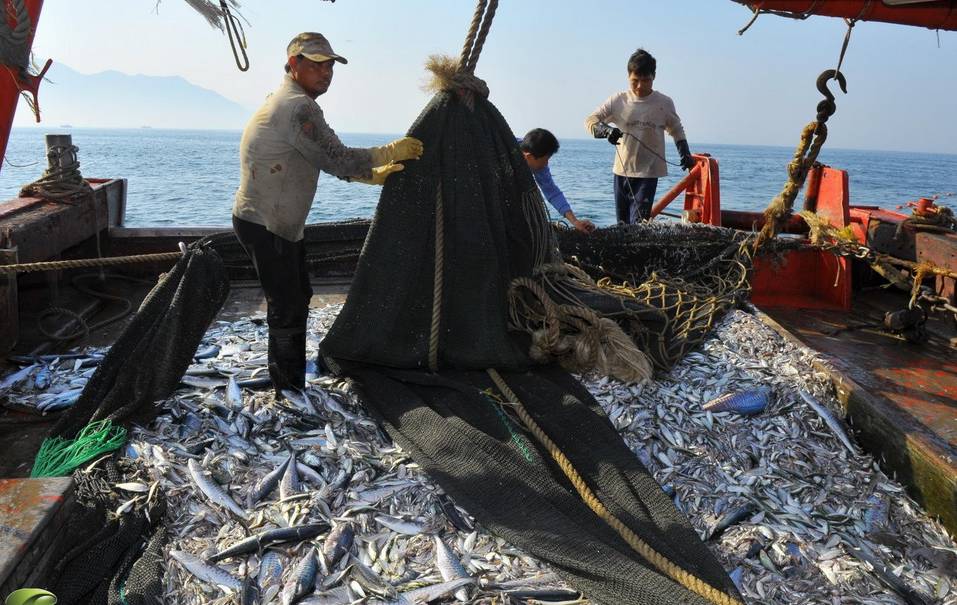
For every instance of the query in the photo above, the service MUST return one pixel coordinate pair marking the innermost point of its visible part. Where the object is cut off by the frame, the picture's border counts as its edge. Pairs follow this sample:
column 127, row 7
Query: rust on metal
column 31, row 511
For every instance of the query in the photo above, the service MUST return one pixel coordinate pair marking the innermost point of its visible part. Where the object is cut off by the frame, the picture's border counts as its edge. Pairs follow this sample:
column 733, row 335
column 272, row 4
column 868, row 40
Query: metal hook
column 828, row 75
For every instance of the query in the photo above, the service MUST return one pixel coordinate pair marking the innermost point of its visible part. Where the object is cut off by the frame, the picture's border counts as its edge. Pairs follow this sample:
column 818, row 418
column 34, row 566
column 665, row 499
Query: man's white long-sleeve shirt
column 284, row 146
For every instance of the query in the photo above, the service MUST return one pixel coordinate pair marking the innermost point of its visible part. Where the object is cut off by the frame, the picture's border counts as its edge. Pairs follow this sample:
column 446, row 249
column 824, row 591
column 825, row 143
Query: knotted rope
column 812, row 138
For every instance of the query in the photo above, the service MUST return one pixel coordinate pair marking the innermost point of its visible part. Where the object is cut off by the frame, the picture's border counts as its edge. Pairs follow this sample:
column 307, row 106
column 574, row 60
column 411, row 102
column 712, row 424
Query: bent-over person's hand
column 584, row 225
column 406, row 148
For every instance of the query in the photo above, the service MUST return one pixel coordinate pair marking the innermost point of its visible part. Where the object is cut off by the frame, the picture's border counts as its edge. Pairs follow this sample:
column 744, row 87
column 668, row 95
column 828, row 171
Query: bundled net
column 664, row 285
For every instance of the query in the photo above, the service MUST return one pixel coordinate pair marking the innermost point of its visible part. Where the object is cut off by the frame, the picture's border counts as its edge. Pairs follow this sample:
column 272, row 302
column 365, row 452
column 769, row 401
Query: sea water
column 188, row 177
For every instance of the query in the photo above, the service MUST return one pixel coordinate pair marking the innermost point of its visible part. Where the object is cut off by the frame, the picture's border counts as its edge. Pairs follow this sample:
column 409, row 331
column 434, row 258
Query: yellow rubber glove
column 398, row 150
column 380, row 174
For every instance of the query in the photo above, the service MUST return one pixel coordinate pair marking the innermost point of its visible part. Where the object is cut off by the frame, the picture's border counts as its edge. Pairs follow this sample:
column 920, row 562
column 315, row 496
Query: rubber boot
column 287, row 359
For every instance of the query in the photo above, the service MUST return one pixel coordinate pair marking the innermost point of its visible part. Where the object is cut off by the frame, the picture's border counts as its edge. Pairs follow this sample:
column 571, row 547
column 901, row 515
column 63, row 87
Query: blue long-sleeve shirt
column 551, row 191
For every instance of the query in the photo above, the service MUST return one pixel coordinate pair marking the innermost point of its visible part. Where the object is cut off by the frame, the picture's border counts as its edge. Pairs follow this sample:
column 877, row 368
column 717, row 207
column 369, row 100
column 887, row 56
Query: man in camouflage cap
column 284, row 146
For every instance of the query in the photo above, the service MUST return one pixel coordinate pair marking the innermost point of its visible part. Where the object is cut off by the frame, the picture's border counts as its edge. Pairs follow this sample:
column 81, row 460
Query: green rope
column 58, row 457
column 510, row 426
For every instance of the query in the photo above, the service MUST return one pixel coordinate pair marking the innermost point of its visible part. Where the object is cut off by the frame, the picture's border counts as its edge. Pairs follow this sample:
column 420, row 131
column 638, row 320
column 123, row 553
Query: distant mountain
column 111, row 99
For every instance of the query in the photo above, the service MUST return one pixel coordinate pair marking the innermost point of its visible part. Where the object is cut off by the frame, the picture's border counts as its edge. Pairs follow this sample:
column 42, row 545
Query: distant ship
column 145, row 126
column 66, row 125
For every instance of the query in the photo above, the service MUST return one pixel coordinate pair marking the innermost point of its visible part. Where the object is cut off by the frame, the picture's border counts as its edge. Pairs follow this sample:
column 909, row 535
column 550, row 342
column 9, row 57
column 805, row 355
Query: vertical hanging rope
column 437, row 282
column 470, row 36
column 482, row 35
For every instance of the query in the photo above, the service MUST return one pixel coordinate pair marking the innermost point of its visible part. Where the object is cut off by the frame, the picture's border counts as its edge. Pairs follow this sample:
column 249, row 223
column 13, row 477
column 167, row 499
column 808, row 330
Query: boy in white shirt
column 641, row 116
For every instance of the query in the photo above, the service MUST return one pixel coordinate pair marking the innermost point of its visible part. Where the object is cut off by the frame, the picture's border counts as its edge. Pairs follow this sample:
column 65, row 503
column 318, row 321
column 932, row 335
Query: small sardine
column 828, row 419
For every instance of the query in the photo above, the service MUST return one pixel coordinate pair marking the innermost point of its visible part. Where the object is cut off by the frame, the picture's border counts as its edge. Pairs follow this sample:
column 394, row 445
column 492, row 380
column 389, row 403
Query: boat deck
column 900, row 397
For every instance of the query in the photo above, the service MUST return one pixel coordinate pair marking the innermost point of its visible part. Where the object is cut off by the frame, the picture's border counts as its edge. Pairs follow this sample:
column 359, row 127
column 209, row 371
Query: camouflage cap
column 314, row 47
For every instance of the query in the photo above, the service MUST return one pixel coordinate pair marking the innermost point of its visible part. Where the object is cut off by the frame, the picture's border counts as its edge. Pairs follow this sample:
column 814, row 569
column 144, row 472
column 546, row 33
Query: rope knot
column 447, row 75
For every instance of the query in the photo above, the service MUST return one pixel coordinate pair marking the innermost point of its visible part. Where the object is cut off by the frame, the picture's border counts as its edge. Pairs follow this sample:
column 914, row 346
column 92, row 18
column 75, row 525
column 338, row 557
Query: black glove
column 687, row 162
column 604, row 131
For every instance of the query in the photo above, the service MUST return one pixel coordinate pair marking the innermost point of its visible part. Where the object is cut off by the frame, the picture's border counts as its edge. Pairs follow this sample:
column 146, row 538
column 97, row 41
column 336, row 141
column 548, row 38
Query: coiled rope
column 662, row 563
column 62, row 179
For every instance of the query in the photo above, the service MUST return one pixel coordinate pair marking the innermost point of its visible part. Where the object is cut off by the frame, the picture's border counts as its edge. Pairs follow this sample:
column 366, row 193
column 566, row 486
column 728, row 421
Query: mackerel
column 289, row 485
column 266, row 484
column 267, row 538
column 206, row 572
column 450, row 567
column 427, row 594
column 303, row 580
column 213, row 491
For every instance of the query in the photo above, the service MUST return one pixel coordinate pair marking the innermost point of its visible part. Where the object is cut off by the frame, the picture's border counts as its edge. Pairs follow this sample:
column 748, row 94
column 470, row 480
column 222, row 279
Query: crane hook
column 828, row 75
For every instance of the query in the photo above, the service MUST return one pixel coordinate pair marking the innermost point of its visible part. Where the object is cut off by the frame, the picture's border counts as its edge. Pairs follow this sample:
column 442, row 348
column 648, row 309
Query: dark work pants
column 634, row 197
column 281, row 267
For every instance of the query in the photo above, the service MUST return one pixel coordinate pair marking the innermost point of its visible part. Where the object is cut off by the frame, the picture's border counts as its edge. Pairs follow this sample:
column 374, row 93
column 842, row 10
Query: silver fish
column 450, row 567
column 212, row 490
column 828, row 419
column 234, row 395
column 15, row 378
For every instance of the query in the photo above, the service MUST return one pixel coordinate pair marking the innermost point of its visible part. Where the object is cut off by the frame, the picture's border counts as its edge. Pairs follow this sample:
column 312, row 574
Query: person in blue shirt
column 538, row 146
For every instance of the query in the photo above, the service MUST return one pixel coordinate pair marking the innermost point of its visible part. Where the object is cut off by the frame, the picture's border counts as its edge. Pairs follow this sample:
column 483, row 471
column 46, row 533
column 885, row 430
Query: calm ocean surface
column 181, row 177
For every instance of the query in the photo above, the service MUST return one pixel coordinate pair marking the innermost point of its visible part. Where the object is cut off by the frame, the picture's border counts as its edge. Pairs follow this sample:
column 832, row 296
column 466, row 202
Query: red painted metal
column 810, row 279
column 702, row 190
column 675, row 191
column 941, row 14
column 10, row 83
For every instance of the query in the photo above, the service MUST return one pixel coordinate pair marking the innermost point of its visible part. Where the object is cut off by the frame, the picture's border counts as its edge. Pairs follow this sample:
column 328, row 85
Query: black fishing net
column 473, row 192
column 102, row 557
column 148, row 359
column 471, row 203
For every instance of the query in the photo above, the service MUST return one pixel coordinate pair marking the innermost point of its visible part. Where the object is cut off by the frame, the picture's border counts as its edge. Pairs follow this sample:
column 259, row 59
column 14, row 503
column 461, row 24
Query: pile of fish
column 305, row 499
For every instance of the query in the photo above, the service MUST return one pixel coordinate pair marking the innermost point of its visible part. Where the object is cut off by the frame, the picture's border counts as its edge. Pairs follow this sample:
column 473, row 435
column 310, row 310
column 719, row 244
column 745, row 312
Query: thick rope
column 812, row 138
column 470, row 36
column 14, row 50
column 437, row 280
column 662, row 563
column 62, row 179
column 482, row 35
column 57, row 265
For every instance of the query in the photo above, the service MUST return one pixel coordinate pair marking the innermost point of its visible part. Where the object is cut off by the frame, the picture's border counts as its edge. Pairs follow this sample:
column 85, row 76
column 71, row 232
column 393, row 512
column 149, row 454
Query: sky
column 548, row 63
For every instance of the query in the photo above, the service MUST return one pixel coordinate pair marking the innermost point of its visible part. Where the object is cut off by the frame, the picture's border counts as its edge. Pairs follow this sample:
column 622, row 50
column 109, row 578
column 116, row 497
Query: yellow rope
column 56, row 265
column 662, row 563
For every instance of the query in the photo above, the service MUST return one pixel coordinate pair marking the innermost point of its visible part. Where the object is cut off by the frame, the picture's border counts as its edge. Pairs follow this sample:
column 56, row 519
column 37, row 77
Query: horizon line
column 397, row 134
